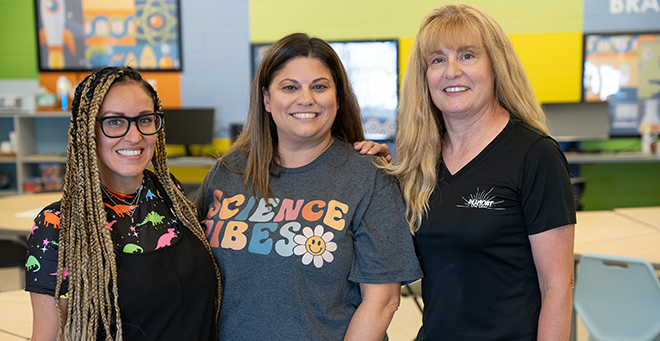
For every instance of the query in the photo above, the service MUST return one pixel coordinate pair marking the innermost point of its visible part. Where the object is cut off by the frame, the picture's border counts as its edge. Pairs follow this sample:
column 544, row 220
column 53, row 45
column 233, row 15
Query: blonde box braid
column 86, row 248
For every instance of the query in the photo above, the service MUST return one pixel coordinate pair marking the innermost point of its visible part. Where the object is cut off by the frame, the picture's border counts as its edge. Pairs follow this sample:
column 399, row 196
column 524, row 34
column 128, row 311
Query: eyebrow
column 459, row 49
column 467, row 47
column 297, row 82
column 111, row 113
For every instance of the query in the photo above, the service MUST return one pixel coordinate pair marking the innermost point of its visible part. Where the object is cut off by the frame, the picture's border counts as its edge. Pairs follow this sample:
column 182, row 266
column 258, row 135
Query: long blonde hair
column 86, row 250
column 420, row 122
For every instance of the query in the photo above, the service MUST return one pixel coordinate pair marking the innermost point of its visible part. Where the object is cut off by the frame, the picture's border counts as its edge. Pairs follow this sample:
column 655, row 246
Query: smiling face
column 461, row 80
column 122, row 159
column 302, row 99
column 315, row 246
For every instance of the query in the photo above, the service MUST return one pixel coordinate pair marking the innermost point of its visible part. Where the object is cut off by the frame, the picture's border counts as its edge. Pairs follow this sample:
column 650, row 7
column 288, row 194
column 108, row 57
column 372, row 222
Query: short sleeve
column 43, row 253
column 384, row 251
column 547, row 194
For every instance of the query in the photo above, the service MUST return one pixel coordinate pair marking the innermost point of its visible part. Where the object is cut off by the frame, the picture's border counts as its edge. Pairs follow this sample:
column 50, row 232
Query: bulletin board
column 83, row 35
column 624, row 70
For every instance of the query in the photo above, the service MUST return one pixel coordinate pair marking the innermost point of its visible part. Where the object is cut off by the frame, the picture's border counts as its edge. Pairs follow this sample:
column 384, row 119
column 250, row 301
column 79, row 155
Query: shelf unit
column 42, row 138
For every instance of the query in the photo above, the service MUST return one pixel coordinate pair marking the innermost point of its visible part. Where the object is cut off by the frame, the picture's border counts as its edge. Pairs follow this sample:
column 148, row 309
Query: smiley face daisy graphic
column 316, row 246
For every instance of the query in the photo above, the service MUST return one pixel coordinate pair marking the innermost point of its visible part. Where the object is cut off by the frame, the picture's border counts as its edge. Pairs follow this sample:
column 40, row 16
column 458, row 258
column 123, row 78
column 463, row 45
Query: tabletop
column 615, row 233
column 645, row 215
column 17, row 212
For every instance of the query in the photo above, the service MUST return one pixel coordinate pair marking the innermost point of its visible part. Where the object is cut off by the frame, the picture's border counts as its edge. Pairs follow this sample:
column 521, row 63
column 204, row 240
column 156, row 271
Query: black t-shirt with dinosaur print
column 151, row 226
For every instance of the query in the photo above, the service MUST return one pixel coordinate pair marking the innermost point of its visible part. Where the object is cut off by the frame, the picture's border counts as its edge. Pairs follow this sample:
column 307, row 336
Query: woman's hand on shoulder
column 373, row 148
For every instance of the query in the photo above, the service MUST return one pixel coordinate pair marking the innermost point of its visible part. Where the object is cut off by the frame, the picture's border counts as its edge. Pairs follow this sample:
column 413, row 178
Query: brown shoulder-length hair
column 420, row 122
column 258, row 141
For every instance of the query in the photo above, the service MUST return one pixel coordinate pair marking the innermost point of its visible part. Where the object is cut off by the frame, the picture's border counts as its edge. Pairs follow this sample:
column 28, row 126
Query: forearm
column 370, row 320
column 555, row 318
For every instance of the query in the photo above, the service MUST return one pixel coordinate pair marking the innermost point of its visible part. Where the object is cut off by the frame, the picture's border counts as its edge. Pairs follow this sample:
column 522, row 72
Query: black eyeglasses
column 118, row 126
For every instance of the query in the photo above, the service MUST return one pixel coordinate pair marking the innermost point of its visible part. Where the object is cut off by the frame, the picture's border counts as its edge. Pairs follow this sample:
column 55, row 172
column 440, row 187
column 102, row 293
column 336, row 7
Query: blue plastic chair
column 618, row 298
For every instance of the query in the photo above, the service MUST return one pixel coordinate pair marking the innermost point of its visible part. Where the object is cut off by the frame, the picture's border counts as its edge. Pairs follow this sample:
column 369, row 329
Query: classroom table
column 17, row 215
column 612, row 232
column 645, row 215
column 647, row 247
column 15, row 315
column 602, row 226
column 17, row 212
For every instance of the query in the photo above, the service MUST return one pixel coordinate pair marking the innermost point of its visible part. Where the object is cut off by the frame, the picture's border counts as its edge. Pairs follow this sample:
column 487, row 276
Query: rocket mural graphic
column 53, row 33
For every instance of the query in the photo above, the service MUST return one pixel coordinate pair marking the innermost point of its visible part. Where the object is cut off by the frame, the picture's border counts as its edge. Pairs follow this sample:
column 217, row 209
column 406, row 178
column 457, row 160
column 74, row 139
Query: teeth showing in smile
column 304, row 115
column 456, row 89
column 129, row 152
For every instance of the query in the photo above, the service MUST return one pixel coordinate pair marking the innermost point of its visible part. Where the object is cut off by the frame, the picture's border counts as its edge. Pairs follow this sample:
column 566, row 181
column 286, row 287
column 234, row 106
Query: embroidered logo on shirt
column 481, row 200
column 315, row 246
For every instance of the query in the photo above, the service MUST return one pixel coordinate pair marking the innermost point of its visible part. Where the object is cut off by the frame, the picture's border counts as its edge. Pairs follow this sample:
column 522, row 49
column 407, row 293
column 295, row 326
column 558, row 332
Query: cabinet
column 41, row 139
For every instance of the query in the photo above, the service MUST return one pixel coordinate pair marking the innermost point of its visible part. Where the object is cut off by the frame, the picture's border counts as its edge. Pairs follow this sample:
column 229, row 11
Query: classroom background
column 217, row 37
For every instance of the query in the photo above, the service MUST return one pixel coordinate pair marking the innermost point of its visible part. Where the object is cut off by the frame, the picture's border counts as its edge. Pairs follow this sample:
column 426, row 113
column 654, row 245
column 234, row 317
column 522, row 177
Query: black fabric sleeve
column 546, row 191
column 43, row 253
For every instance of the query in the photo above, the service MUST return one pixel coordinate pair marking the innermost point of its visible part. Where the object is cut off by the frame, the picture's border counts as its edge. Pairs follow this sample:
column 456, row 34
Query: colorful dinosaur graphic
column 133, row 248
column 150, row 195
column 32, row 264
column 152, row 217
column 63, row 275
column 166, row 239
column 50, row 218
column 120, row 209
column 34, row 227
column 110, row 223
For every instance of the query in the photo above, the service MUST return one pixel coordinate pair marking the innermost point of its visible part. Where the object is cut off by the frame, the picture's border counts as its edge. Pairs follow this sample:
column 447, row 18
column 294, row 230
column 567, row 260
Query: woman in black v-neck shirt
column 487, row 190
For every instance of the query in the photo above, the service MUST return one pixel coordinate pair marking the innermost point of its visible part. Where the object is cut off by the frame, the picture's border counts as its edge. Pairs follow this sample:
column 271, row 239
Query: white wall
column 216, row 59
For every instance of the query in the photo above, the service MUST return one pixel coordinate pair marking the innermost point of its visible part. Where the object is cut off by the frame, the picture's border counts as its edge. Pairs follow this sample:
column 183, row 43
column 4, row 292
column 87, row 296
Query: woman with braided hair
column 122, row 256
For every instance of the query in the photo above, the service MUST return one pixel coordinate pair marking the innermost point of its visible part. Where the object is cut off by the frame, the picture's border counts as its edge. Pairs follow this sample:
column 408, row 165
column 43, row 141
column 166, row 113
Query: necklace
column 131, row 206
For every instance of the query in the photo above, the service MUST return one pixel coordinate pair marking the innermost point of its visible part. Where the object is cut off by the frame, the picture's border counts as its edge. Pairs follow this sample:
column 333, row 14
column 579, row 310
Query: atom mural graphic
column 155, row 21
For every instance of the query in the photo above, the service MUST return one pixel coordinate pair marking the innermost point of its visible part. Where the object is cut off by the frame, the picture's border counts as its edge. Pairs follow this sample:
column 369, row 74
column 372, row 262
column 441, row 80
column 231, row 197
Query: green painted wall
column 610, row 186
column 18, row 47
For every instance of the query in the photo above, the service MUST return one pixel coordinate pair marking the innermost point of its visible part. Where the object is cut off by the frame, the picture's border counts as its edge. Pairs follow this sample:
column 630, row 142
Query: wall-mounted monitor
column 373, row 69
column 78, row 35
column 624, row 70
column 186, row 126
column 572, row 122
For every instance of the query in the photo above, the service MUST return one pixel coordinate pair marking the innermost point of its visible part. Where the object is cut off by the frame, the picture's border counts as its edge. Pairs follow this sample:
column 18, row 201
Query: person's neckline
column 298, row 163
column 496, row 140
column 321, row 159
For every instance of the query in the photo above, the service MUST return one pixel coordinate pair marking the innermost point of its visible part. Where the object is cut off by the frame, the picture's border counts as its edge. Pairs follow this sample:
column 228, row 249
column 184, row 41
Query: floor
column 404, row 326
